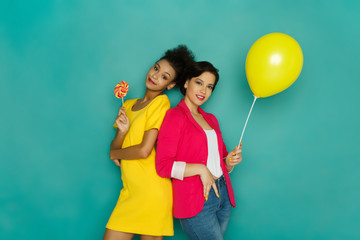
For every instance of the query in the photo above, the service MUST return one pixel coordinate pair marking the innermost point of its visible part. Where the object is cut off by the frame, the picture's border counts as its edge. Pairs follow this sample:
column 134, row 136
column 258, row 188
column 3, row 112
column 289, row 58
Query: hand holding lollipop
column 121, row 90
column 121, row 121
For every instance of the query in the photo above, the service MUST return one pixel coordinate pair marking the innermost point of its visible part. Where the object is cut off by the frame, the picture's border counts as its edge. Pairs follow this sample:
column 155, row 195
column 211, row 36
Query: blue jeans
column 211, row 222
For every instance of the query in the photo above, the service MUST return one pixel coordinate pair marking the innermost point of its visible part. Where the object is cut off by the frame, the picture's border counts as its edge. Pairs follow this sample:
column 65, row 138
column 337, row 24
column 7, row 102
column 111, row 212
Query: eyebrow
column 158, row 65
column 211, row 84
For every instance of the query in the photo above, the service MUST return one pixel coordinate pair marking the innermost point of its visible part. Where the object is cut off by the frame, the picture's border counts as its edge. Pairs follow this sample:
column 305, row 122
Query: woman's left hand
column 233, row 158
column 117, row 162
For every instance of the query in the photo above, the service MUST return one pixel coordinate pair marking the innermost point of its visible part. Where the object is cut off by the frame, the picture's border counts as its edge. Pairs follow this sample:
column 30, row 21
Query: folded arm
column 138, row 151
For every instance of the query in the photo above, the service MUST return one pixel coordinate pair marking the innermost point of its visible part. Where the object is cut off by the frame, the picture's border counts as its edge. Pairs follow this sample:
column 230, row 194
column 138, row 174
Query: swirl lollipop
column 121, row 90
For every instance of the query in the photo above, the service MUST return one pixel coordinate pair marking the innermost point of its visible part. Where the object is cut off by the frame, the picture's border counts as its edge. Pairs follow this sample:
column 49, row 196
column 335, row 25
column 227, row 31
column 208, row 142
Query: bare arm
column 118, row 140
column 139, row 151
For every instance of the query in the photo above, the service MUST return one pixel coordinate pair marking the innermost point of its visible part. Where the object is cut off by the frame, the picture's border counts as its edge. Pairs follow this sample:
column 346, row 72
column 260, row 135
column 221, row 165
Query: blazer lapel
column 191, row 118
column 182, row 104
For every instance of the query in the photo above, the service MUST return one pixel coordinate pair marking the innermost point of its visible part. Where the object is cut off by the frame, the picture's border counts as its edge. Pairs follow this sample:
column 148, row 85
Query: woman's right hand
column 122, row 121
column 208, row 181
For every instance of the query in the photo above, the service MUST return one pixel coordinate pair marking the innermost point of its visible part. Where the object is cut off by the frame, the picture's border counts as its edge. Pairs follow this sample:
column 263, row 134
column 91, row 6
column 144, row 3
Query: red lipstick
column 200, row 97
column 151, row 81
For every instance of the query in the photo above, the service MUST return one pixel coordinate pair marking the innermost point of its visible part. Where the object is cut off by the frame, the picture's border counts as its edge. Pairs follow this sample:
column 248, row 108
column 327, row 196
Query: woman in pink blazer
column 191, row 151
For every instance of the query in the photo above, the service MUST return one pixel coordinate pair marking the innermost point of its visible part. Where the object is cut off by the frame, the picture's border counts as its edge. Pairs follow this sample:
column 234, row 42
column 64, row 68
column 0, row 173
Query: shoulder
column 212, row 118
column 174, row 120
column 176, row 113
column 160, row 101
column 208, row 115
column 130, row 102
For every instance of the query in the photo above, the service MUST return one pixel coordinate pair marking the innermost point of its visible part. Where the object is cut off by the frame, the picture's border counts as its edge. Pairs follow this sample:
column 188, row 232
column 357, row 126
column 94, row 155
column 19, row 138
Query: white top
column 213, row 160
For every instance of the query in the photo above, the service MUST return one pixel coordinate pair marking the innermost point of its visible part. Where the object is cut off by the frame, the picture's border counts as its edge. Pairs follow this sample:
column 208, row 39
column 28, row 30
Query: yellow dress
column 145, row 202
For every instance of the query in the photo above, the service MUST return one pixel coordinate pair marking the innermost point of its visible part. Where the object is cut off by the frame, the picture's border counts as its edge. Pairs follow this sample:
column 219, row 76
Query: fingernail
column 240, row 144
column 217, row 195
column 206, row 199
column 229, row 159
column 233, row 154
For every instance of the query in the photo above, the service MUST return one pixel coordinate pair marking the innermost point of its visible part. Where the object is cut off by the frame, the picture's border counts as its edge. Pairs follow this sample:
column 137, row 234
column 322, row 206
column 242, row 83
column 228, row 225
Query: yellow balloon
column 273, row 63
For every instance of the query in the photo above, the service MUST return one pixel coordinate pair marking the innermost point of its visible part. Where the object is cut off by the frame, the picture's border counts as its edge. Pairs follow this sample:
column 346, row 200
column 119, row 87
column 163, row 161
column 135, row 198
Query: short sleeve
column 156, row 112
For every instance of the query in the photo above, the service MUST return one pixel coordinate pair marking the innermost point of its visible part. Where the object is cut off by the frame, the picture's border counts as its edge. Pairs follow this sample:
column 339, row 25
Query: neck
column 194, row 109
column 150, row 95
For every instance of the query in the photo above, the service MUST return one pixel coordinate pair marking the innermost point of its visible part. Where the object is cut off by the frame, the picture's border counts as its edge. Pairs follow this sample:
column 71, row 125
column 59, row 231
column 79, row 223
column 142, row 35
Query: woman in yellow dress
column 145, row 203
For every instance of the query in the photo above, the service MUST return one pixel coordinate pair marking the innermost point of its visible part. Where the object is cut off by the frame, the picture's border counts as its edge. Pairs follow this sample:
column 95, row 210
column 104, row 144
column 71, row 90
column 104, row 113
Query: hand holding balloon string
column 233, row 158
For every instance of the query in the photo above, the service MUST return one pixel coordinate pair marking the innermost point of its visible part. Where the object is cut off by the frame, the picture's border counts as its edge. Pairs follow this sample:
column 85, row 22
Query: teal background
column 59, row 63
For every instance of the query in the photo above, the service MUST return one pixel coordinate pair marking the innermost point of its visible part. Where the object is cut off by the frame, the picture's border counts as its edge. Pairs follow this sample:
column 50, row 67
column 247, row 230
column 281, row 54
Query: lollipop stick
column 242, row 134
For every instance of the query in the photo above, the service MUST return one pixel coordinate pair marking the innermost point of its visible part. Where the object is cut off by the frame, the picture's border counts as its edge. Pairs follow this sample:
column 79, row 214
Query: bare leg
column 147, row 237
column 115, row 235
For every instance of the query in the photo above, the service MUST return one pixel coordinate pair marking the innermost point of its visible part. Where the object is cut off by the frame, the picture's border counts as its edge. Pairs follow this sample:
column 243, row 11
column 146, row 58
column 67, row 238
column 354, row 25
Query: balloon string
column 242, row 134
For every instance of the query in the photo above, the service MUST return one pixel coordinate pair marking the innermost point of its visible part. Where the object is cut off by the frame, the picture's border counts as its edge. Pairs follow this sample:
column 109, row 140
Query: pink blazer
column 182, row 139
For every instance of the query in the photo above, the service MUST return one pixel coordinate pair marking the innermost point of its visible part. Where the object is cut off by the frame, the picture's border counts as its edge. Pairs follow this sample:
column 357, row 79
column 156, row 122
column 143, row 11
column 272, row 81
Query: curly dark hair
column 196, row 70
column 179, row 58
